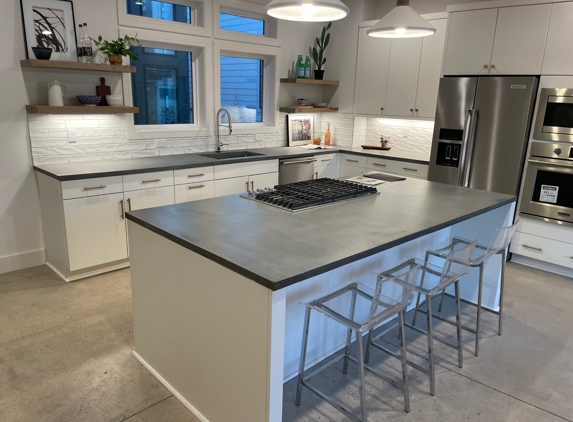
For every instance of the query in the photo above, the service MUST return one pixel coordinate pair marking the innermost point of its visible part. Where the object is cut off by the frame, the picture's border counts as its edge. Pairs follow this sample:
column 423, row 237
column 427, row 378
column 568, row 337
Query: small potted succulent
column 318, row 55
column 117, row 49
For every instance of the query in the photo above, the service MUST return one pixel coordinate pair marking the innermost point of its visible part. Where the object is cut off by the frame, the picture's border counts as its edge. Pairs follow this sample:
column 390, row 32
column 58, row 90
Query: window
column 159, row 10
column 233, row 22
column 242, row 88
column 163, row 87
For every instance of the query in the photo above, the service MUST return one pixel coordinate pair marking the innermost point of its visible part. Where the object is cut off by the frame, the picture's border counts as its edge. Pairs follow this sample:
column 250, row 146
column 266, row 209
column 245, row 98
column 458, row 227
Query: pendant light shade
column 401, row 22
column 307, row 10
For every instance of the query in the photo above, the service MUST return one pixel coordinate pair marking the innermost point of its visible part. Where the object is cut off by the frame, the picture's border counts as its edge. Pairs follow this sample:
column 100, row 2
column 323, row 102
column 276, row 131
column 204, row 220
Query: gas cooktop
column 310, row 194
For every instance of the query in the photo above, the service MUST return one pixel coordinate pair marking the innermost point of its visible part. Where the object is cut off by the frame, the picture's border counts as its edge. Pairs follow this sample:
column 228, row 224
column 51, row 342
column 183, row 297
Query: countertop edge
column 281, row 284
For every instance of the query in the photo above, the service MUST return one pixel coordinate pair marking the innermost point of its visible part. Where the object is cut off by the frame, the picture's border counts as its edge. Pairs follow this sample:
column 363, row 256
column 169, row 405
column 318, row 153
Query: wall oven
column 554, row 115
column 548, row 187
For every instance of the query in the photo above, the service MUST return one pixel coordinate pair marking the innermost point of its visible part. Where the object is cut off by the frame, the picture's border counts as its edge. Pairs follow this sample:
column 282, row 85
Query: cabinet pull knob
column 379, row 165
column 129, row 204
column 492, row 66
column 253, row 185
column 351, row 161
column 532, row 247
column 381, row 108
column 122, row 210
column 571, row 257
column 197, row 175
column 151, row 181
column 409, row 169
column 485, row 66
column 411, row 110
column 416, row 110
column 197, row 187
column 96, row 187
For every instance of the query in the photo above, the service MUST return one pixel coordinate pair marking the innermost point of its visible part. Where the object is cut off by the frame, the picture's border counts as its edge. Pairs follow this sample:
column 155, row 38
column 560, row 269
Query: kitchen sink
column 230, row 155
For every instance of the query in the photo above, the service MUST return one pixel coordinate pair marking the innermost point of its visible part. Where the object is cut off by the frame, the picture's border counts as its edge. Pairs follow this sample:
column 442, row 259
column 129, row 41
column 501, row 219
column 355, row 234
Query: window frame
column 248, row 10
column 202, row 104
column 271, row 58
column 201, row 11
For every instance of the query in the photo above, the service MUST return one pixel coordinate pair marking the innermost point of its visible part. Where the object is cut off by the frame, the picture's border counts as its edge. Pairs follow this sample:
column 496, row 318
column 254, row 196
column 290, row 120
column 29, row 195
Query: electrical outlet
column 160, row 143
column 72, row 137
column 259, row 137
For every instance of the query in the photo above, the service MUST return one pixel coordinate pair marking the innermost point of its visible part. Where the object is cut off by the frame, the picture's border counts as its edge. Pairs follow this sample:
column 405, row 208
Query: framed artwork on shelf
column 300, row 128
column 50, row 24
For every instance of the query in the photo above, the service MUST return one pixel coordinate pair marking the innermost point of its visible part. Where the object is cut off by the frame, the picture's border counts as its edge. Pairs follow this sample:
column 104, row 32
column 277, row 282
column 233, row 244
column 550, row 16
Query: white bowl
column 114, row 100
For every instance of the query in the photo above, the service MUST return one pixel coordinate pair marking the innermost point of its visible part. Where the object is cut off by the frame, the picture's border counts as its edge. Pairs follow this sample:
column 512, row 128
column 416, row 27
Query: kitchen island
column 217, row 283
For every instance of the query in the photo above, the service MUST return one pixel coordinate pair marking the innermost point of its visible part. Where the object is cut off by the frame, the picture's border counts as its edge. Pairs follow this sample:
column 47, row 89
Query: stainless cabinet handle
column 408, row 169
column 129, row 204
column 381, row 108
column 330, row 159
column 151, row 181
column 351, row 161
column 411, row 110
column 196, row 175
column 253, row 185
column 316, row 175
column 122, row 210
column 379, row 165
column 197, row 187
column 247, row 185
column 286, row 163
column 96, row 187
column 532, row 247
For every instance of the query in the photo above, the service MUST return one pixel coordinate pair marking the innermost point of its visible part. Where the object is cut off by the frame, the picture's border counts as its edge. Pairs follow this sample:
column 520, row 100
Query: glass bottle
column 307, row 67
column 300, row 67
column 81, row 54
column 88, row 49
column 327, row 136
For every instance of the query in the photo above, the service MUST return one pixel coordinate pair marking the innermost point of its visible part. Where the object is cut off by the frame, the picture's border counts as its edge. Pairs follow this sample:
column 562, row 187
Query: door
column 232, row 186
column 456, row 96
column 431, row 70
column 329, row 171
column 95, row 230
column 371, row 74
column 558, row 59
column 519, row 42
column 504, row 106
column 470, row 42
column 403, row 75
column 149, row 198
column 261, row 181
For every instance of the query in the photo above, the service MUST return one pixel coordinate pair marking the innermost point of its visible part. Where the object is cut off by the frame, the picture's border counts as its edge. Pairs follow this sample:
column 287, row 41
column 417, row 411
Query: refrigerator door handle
column 470, row 147
column 463, row 152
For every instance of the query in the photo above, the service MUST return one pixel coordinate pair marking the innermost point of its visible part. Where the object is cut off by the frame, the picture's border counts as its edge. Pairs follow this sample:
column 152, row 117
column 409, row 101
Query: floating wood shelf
column 309, row 110
column 308, row 82
column 93, row 67
column 44, row 109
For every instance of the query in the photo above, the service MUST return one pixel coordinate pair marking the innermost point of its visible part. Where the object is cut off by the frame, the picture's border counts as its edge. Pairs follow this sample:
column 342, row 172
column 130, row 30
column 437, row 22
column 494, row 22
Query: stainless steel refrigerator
column 481, row 132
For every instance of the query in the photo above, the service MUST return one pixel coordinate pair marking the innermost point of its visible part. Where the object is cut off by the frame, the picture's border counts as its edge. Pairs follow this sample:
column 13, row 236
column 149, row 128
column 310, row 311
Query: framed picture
column 300, row 128
column 50, row 24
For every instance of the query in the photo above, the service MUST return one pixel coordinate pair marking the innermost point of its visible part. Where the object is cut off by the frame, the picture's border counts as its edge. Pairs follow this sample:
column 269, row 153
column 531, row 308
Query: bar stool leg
column 300, row 380
column 406, row 388
column 430, row 346
column 361, row 377
column 480, row 295
column 421, row 285
column 349, row 335
column 441, row 301
column 459, row 325
column 501, row 291
column 368, row 346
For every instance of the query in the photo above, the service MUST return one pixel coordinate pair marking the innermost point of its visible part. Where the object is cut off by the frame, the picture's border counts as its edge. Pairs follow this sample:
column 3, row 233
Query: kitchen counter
column 407, row 156
column 93, row 169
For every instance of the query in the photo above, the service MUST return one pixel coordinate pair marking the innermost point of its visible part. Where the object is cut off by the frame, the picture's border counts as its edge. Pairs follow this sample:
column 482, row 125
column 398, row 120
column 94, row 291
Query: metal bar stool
column 382, row 307
column 431, row 282
column 497, row 246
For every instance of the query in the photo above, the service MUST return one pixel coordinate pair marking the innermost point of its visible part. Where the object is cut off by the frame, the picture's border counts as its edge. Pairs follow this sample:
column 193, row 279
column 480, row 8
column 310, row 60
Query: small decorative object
column 327, row 136
column 114, row 100
column 300, row 129
column 384, row 141
column 56, row 93
column 318, row 55
column 117, row 49
column 321, row 105
column 50, row 24
column 42, row 53
column 102, row 90
column 89, row 100
column 317, row 138
column 302, row 101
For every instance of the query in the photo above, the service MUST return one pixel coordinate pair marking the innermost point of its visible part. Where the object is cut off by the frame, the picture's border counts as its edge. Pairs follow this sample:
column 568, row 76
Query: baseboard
column 541, row 265
column 21, row 261
column 163, row 381
column 90, row 273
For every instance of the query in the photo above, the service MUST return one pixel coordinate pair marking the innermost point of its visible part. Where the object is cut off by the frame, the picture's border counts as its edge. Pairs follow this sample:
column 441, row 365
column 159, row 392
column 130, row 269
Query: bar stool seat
column 381, row 308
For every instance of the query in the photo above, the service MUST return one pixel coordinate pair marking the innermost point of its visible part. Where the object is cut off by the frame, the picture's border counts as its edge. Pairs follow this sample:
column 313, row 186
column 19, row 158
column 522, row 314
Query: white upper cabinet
column 431, row 70
column 371, row 74
column 558, row 58
column 403, row 77
column 470, row 42
column 520, row 38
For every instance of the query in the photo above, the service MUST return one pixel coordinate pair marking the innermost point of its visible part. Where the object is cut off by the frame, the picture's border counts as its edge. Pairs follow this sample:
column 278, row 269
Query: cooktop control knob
column 557, row 151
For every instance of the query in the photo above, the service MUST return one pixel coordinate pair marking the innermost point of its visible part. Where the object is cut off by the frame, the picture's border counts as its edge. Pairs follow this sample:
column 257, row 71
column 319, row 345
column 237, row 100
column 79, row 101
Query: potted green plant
column 117, row 49
column 318, row 55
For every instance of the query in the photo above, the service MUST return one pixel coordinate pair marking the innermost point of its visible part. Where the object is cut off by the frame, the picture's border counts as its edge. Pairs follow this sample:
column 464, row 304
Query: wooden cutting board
column 101, row 91
column 374, row 147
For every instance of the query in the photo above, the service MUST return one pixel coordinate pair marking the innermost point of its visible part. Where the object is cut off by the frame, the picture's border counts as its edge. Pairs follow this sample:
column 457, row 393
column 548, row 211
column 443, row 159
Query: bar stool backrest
column 458, row 262
column 501, row 240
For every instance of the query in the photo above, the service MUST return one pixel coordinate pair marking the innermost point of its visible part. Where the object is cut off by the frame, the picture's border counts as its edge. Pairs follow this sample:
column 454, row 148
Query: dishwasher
column 296, row 170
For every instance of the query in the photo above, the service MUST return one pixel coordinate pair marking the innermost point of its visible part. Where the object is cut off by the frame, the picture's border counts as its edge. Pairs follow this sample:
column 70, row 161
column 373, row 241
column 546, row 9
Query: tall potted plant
column 117, row 49
column 318, row 55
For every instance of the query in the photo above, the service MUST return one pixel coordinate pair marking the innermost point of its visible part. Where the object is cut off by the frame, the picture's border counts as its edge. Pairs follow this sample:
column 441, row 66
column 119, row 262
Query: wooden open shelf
column 308, row 82
column 44, row 109
column 309, row 110
column 93, row 67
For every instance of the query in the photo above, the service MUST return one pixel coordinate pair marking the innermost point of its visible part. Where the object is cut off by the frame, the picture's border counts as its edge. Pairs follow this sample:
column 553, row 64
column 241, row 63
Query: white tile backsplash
column 405, row 135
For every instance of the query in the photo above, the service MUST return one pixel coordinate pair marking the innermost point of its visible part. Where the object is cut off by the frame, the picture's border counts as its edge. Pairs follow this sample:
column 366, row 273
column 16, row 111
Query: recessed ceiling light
column 307, row 10
column 402, row 22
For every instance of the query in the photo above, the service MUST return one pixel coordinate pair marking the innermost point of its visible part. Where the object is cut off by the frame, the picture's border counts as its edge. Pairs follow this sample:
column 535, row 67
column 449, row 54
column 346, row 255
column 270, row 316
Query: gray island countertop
column 277, row 248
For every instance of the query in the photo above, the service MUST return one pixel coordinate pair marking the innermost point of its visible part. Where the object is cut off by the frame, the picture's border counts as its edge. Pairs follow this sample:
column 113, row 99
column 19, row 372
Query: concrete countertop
column 277, row 248
column 409, row 156
column 93, row 169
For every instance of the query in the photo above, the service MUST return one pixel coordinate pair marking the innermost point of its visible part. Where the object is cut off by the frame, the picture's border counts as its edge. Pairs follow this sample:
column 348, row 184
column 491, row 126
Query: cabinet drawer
column 147, row 180
column 559, row 232
column 198, row 174
column 194, row 191
column 149, row 198
column 326, row 160
column 543, row 249
column 227, row 171
column 353, row 160
column 410, row 169
column 380, row 164
column 91, row 187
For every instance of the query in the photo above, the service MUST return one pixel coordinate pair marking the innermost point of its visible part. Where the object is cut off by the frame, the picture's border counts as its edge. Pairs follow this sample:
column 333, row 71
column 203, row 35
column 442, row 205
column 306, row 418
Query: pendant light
column 401, row 22
column 307, row 10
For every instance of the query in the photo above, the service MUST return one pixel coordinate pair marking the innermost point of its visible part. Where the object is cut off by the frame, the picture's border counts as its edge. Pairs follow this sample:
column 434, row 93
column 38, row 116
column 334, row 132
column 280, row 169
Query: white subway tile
column 47, row 124
column 98, row 116
column 131, row 146
column 37, row 117
column 80, row 124
column 101, row 148
column 64, row 117
column 113, row 140
column 171, row 151
column 182, row 143
column 40, row 152
column 116, row 155
column 37, row 134
column 111, row 123
column 197, row 148
column 85, row 157
column 87, row 140
column 145, row 153
column 60, row 159
column 68, row 150
column 121, row 131
column 150, row 145
column 99, row 132
column 49, row 142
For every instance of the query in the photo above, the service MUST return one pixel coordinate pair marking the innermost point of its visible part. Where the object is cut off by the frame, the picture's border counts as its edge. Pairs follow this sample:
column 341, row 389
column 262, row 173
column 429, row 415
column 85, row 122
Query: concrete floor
column 65, row 356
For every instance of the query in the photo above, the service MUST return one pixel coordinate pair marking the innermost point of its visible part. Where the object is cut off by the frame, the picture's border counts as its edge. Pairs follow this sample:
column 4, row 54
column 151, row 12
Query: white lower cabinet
column 543, row 249
column 261, row 181
column 149, row 198
column 350, row 171
column 327, row 166
column 194, row 191
column 95, row 230
column 231, row 186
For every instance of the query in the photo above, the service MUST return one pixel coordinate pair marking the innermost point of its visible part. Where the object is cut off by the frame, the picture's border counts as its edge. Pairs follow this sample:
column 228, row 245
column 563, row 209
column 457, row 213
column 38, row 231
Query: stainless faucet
column 218, row 143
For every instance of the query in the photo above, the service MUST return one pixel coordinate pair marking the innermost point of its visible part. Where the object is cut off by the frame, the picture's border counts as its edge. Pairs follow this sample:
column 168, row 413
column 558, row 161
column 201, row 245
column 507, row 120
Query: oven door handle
column 569, row 165
column 285, row 163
